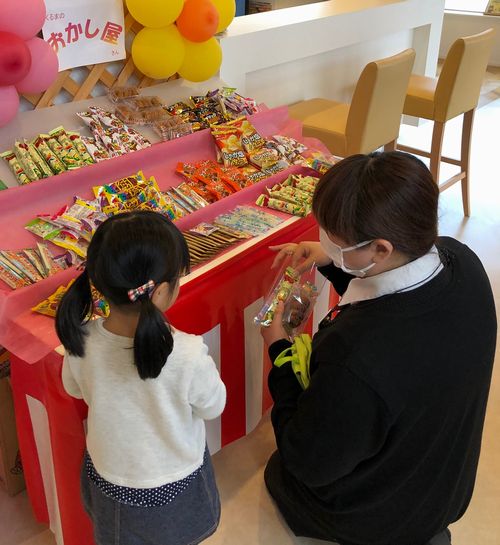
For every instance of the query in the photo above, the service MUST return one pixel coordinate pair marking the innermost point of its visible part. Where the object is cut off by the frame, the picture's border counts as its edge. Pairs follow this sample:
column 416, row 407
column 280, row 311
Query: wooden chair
column 455, row 92
column 373, row 117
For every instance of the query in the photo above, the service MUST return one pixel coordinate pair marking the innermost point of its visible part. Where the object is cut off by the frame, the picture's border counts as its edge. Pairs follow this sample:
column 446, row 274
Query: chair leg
column 436, row 146
column 390, row 146
column 465, row 158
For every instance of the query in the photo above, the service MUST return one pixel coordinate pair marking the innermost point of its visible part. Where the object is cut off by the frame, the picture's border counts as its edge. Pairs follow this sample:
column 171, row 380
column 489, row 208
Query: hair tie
column 134, row 294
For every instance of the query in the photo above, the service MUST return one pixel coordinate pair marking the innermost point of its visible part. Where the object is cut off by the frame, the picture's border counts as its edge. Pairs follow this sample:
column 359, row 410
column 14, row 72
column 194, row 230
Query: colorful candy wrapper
column 42, row 227
column 80, row 147
column 51, row 158
column 68, row 155
column 16, row 168
column 36, row 260
column 70, row 152
column 178, row 108
column 49, row 306
column 282, row 206
column 11, row 278
column 38, row 160
column 22, row 263
column 97, row 153
column 23, row 155
column 231, row 150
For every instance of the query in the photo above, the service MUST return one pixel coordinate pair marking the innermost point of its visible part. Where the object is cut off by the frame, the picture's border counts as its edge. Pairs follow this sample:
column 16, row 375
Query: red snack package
column 228, row 142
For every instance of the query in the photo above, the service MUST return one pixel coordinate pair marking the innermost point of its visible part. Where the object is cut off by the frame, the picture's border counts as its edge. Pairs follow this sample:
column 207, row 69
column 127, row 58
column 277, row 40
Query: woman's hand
column 275, row 331
column 304, row 255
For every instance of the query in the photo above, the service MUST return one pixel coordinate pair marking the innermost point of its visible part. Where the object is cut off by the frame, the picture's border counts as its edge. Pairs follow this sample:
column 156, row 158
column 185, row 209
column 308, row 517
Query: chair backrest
column 459, row 83
column 377, row 104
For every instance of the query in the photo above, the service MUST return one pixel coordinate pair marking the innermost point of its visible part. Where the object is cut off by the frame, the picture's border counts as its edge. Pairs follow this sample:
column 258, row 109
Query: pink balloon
column 44, row 67
column 15, row 58
column 9, row 100
column 24, row 18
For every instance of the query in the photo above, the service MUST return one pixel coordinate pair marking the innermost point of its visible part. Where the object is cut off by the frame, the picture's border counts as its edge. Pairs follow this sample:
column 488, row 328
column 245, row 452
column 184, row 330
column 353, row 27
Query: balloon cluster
column 27, row 64
column 179, row 36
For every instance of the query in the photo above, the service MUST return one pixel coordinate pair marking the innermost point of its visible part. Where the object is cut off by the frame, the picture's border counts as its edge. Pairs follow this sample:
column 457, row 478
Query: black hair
column 127, row 251
column 389, row 195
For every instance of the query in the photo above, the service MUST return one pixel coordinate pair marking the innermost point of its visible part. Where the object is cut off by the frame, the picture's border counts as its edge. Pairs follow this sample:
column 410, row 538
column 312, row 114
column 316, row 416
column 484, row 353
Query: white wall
column 456, row 25
column 283, row 56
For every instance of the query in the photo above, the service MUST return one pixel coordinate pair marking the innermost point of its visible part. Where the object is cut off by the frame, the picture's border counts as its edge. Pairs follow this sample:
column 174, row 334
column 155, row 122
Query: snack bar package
column 298, row 292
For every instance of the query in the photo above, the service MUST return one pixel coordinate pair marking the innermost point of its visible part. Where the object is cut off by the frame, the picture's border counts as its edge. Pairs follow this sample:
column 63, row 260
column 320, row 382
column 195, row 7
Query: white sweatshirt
column 144, row 433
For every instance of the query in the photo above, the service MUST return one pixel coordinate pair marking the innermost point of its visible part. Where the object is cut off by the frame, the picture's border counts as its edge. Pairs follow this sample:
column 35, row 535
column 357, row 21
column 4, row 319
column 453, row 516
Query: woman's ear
column 383, row 249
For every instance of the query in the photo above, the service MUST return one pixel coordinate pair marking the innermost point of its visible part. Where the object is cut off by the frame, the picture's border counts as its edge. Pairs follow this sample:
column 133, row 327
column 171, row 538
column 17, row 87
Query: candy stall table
column 217, row 300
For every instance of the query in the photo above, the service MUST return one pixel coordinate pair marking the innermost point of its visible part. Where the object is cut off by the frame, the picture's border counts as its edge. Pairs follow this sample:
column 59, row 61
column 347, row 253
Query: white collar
column 404, row 278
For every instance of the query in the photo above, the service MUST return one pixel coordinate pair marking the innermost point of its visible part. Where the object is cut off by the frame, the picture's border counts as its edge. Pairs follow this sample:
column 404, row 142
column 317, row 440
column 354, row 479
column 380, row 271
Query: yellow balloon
column 155, row 13
column 202, row 60
column 158, row 52
column 227, row 11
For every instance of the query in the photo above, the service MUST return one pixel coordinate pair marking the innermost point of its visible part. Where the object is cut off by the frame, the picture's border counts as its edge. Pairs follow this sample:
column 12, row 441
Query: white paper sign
column 84, row 32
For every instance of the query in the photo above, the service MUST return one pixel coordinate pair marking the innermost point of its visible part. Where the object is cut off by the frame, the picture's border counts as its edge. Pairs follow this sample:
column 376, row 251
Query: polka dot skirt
column 141, row 497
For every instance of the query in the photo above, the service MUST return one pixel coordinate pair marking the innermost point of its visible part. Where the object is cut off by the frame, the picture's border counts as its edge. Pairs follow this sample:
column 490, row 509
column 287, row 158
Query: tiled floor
column 248, row 516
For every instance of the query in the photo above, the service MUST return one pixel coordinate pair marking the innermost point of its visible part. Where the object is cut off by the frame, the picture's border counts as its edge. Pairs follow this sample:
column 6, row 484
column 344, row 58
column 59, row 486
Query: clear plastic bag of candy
column 298, row 292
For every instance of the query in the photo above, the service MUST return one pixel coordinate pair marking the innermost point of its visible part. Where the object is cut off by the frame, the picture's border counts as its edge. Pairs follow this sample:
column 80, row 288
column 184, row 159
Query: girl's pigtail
column 153, row 341
column 74, row 310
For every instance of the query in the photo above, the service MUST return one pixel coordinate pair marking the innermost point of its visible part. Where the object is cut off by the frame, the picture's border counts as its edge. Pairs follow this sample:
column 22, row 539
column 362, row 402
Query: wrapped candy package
column 298, row 293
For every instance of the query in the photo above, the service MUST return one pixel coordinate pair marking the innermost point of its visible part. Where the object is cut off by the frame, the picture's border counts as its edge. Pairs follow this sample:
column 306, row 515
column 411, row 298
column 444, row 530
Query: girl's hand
column 304, row 255
column 275, row 331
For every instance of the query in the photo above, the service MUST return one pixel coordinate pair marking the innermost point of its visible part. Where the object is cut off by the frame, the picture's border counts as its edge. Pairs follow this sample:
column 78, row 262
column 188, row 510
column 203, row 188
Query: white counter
column 283, row 56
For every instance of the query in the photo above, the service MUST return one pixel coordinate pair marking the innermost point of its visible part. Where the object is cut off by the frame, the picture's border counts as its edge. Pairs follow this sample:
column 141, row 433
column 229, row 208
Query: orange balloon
column 198, row 20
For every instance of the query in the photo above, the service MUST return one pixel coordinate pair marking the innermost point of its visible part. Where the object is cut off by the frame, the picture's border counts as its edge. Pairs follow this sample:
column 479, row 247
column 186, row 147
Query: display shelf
column 32, row 335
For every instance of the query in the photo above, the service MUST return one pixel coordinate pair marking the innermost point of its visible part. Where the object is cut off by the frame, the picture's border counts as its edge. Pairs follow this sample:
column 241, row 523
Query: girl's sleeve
column 69, row 382
column 207, row 393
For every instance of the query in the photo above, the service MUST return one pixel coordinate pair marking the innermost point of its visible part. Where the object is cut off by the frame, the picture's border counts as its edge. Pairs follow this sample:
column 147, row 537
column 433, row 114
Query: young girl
column 147, row 477
column 382, row 447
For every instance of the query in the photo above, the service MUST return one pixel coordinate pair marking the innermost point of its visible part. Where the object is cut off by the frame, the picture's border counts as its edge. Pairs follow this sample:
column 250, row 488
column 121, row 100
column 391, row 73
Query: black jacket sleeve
column 324, row 432
column 337, row 277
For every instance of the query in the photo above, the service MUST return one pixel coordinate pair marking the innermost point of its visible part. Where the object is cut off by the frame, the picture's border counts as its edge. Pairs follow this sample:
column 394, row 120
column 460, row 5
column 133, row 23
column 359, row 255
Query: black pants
column 300, row 522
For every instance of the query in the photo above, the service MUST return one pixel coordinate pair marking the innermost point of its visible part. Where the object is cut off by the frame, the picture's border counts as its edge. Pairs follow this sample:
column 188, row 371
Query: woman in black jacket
column 383, row 447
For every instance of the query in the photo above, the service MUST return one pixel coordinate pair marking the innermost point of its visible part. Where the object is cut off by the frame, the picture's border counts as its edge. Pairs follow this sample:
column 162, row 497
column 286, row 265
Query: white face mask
column 336, row 254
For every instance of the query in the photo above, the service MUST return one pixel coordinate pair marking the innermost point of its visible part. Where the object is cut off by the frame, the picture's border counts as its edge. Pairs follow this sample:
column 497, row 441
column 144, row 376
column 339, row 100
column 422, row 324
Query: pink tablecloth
column 31, row 336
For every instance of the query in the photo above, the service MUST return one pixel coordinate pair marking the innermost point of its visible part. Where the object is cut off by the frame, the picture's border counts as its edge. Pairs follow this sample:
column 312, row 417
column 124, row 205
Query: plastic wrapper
column 49, row 156
column 283, row 206
column 248, row 220
column 42, row 227
column 39, row 160
column 320, row 165
column 231, row 149
column 80, row 146
column 144, row 102
column 178, row 108
column 49, row 306
column 11, row 278
column 24, row 157
column 16, row 168
column 250, row 138
column 96, row 152
column 21, row 264
column 298, row 292
column 71, row 157
column 115, row 94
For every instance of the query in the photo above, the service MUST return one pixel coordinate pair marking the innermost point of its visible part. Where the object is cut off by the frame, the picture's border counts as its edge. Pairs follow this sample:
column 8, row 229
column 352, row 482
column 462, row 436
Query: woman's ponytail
column 74, row 310
column 153, row 341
